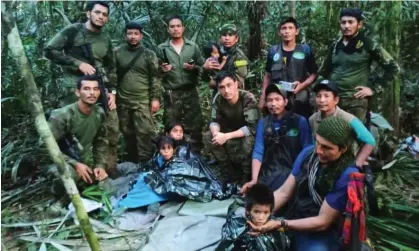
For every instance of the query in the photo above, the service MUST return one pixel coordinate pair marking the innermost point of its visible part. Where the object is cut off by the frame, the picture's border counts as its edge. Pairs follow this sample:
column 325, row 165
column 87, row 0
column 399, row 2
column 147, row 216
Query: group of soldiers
column 133, row 82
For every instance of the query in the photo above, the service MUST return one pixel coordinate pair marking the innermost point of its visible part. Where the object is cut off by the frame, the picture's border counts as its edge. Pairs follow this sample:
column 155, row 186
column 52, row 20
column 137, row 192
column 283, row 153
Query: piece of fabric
column 186, row 177
column 355, row 211
column 315, row 241
column 186, row 233
column 217, row 208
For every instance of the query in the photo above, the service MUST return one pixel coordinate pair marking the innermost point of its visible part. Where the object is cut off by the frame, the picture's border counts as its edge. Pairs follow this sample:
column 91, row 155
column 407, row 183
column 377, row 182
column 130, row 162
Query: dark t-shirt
column 286, row 58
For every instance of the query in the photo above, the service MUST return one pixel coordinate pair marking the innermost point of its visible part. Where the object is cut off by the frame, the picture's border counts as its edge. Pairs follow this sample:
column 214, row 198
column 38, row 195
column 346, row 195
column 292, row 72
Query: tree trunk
column 37, row 111
column 291, row 6
column 256, row 13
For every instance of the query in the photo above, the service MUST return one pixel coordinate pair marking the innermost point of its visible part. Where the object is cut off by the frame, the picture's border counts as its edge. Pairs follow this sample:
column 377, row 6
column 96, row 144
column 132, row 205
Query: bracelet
column 284, row 224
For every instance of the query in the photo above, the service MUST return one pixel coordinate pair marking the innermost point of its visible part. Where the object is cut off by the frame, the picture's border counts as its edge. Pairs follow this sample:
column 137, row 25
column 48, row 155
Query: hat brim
column 320, row 86
column 275, row 88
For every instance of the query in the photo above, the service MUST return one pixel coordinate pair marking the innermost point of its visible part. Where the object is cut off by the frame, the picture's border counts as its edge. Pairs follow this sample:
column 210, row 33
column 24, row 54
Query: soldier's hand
column 188, row 67
column 298, row 87
column 87, row 69
column 247, row 185
column 111, row 101
column 166, row 67
column 84, row 172
column 363, row 92
column 100, row 174
column 219, row 139
column 154, row 106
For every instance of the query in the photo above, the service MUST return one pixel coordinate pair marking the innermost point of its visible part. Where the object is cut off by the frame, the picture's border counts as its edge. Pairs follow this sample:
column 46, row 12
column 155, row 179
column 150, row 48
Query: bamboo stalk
column 37, row 112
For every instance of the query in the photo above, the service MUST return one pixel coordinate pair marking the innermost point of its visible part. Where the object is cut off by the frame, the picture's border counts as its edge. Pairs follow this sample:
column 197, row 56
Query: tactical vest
column 296, row 70
column 282, row 146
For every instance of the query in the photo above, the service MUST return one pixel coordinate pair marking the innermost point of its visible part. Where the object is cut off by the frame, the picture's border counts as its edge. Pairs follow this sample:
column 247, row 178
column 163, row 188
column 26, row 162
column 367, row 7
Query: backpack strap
column 123, row 71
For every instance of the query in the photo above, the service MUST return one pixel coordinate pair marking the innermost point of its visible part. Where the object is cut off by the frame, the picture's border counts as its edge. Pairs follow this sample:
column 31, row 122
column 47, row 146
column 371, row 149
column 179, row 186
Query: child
column 259, row 204
column 236, row 232
column 166, row 146
column 175, row 130
column 212, row 51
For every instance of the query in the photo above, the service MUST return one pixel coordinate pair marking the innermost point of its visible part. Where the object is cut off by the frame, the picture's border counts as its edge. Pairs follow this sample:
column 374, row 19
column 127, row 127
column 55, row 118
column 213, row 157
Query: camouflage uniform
column 235, row 156
column 236, row 62
column 350, row 66
column 181, row 99
column 137, row 88
column 89, row 131
column 64, row 49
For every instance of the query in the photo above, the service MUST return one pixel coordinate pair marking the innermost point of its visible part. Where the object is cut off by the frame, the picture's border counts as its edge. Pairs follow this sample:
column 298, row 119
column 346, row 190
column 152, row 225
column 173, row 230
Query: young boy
column 237, row 234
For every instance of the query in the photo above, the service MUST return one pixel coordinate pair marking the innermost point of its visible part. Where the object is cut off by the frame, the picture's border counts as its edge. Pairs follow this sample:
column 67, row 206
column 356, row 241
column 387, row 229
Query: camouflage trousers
column 357, row 107
column 234, row 158
column 183, row 106
column 68, row 96
column 137, row 127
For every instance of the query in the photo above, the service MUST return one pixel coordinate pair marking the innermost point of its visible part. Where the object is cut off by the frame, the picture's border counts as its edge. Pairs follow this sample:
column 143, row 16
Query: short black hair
column 224, row 74
column 207, row 50
column 288, row 20
column 351, row 12
column 259, row 194
column 174, row 17
column 91, row 5
column 171, row 125
column 87, row 78
column 165, row 140
column 132, row 26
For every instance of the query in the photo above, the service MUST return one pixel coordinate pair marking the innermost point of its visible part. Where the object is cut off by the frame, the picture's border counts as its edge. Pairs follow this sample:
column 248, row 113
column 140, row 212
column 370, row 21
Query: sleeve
column 199, row 59
column 338, row 197
column 300, row 160
column 306, row 137
column 385, row 60
column 240, row 64
column 54, row 50
column 311, row 62
column 362, row 133
column 269, row 60
column 326, row 67
column 110, row 66
column 215, row 114
column 155, row 90
column 58, row 125
column 251, row 113
column 259, row 147
column 100, row 147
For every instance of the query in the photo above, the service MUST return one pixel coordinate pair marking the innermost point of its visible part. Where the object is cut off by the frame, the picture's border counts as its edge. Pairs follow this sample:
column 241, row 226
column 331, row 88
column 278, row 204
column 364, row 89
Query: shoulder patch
column 239, row 63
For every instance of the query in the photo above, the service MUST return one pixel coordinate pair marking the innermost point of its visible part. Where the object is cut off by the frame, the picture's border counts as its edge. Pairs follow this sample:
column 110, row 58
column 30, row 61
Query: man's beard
column 95, row 25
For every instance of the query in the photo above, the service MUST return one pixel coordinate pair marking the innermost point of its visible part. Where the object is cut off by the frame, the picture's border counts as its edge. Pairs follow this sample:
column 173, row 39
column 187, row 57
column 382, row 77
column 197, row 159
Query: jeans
column 315, row 241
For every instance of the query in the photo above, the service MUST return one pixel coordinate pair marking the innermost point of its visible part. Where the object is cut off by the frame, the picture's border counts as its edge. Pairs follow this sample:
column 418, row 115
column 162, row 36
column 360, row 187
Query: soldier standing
column 181, row 64
column 138, row 95
column 348, row 62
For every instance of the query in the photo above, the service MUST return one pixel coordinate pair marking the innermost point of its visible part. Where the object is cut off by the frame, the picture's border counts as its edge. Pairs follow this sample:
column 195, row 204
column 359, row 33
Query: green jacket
column 237, row 62
column 63, row 49
column 178, row 77
column 350, row 66
column 87, row 129
column 140, row 84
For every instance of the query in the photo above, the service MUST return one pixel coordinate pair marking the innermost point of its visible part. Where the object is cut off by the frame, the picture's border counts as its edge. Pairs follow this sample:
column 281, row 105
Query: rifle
column 70, row 146
column 103, row 99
